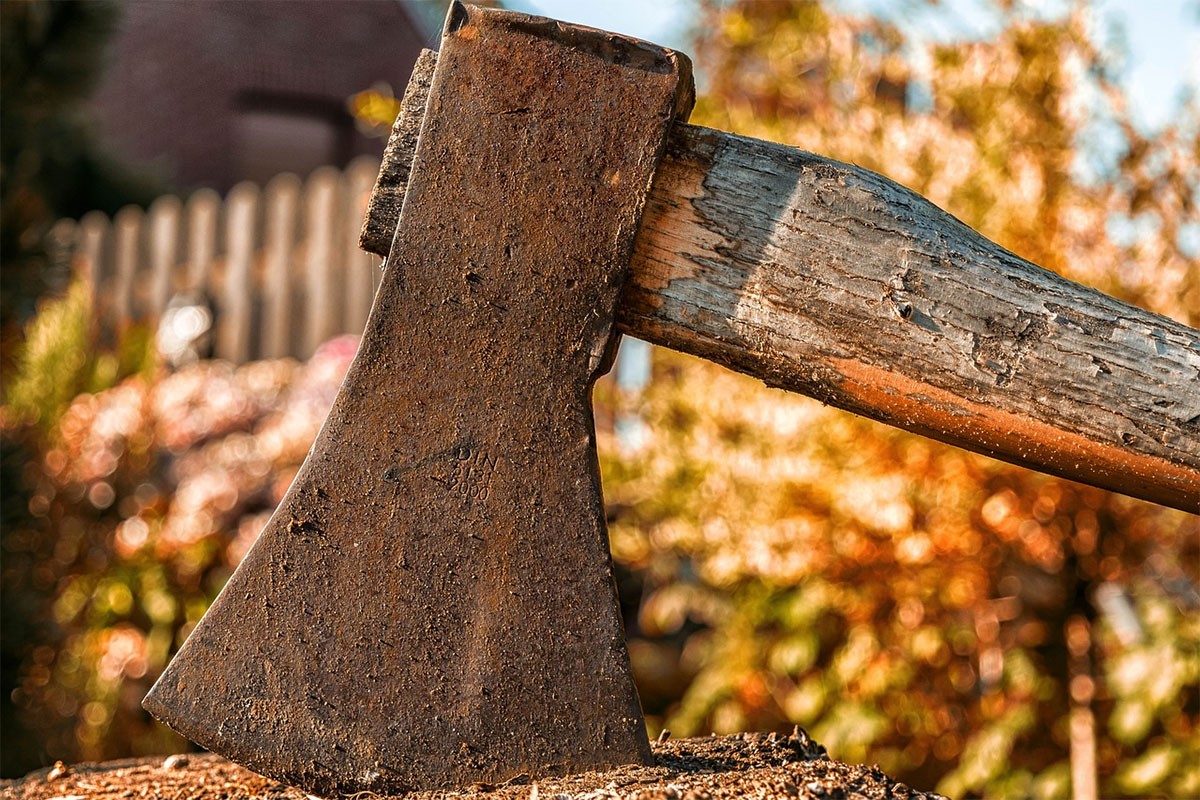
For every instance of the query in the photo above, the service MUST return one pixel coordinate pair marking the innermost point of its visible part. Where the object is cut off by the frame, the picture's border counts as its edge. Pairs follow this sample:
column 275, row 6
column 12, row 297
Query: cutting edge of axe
column 832, row 281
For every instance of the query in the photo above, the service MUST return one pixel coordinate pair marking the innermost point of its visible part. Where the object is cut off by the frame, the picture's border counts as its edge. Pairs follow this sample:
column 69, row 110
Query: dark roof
column 212, row 93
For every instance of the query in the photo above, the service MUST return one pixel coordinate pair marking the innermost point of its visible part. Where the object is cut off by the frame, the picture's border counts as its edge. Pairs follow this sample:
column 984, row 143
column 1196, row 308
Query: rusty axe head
column 432, row 603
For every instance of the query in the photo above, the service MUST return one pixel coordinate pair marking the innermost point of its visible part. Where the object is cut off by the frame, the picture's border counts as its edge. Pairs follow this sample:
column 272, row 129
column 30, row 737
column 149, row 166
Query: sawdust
column 762, row 766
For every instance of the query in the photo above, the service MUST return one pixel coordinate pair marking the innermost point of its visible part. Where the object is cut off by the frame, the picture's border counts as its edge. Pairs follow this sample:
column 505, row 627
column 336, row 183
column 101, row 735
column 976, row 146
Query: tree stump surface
column 756, row 765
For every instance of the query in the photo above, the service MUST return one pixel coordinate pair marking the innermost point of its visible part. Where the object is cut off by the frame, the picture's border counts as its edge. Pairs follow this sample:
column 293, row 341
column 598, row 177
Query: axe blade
column 432, row 603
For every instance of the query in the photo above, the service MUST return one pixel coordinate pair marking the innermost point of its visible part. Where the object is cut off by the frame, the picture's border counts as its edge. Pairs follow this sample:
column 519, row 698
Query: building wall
column 211, row 93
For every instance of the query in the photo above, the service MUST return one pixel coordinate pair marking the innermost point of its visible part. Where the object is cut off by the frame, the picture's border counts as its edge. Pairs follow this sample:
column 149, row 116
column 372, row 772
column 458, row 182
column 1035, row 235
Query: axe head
column 432, row 603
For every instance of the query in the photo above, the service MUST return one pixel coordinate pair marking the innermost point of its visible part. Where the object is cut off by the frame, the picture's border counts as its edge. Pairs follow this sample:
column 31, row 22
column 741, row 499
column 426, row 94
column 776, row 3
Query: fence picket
column 321, row 297
column 164, row 252
column 356, row 264
column 91, row 261
column 281, row 202
column 203, row 208
column 126, row 254
column 233, row 313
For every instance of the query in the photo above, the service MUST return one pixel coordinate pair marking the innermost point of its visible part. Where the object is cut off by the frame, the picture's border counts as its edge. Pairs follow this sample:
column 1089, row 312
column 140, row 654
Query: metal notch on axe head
column 432, row 603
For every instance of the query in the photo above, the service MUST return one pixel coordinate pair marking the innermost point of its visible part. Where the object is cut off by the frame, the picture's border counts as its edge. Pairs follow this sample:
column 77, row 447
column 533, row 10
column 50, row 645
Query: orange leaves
column 148, row 495
column 853, row 567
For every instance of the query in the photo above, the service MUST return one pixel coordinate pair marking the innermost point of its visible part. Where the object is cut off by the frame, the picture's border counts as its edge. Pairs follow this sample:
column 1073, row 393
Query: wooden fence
column 279, row 265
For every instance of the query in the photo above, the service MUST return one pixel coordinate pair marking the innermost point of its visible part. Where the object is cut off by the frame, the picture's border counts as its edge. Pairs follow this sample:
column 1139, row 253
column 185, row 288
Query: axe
column 432, row 604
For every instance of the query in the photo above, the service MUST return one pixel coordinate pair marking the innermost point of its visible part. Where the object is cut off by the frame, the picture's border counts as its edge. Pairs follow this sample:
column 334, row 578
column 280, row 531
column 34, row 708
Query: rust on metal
column 432, row 604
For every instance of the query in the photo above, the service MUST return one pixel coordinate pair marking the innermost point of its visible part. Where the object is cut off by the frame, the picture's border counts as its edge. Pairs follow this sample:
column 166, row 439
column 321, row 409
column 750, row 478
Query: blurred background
column 181, row 288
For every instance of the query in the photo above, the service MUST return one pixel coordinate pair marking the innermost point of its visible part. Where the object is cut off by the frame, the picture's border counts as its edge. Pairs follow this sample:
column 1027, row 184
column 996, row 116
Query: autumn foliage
column 937, row 612
column 966, row 624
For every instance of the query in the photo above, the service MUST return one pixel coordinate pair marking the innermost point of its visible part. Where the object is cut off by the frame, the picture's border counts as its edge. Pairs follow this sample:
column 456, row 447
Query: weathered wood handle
column 830, row 280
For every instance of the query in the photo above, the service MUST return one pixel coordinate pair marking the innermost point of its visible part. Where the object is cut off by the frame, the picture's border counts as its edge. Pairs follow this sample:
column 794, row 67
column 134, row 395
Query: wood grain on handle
column 832, row 281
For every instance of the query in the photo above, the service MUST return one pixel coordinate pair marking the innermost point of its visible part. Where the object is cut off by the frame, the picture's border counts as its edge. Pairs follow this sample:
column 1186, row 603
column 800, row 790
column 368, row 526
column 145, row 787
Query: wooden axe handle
column 832, row 281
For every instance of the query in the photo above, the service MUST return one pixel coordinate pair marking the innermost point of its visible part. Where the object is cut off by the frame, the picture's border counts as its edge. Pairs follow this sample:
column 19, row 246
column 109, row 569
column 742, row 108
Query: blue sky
column 1162, row 37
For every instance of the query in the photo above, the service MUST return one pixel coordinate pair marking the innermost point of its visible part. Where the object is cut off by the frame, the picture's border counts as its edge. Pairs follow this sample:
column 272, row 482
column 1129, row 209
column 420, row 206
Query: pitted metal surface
column 432, row 604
